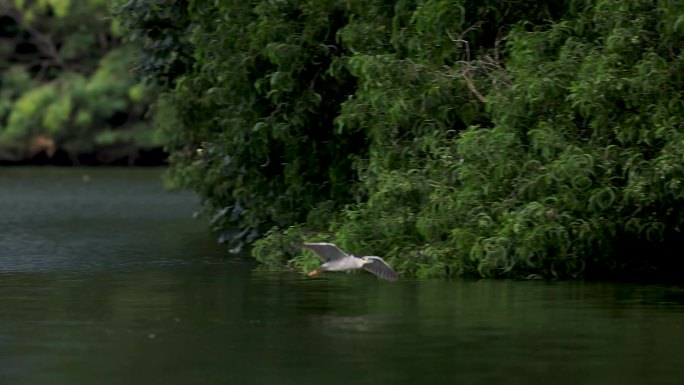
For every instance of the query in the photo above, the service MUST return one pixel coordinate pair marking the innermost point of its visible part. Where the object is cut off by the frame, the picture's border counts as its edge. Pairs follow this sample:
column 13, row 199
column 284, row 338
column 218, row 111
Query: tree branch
column 42, row 42
column 487, row 64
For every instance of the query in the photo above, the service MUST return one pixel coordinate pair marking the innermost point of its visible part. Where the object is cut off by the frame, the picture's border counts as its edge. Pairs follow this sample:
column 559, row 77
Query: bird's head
column 366, row 260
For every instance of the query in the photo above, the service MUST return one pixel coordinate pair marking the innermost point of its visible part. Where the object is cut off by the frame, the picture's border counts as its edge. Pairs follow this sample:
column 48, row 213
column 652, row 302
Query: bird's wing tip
column 381, row 269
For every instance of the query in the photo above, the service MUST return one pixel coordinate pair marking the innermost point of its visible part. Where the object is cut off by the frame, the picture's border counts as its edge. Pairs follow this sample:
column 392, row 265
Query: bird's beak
column 315, row 272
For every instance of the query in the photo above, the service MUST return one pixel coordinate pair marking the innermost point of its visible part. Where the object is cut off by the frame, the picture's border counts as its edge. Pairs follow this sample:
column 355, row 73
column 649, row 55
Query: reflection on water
column 112, row 282
column 51, row 218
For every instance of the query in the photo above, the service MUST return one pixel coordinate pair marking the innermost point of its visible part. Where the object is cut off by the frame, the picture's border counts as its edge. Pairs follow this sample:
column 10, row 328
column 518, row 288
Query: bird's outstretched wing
column 327, row 251
column 380, row 268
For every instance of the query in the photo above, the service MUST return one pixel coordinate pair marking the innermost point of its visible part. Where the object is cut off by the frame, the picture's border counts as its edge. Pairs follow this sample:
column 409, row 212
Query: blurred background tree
column 66, row 92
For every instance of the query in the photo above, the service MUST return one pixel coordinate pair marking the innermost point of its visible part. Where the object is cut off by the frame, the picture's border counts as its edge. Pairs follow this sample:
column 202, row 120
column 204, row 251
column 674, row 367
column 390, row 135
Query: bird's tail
column 315, row 272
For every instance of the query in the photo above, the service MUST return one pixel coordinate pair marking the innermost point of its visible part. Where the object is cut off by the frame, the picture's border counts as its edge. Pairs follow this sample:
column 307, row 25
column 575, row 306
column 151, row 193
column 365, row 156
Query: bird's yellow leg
column 315, row 272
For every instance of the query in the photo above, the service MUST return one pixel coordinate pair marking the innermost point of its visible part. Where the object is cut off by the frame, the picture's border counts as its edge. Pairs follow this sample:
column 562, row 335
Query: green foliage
column 64, row 77
column 591, row 118
column 453, row 137
column 163, row 29
column 256, row 111
column 276, row 250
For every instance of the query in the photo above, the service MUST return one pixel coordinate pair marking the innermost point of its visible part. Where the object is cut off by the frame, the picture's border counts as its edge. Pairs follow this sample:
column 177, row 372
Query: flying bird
column 337, row 260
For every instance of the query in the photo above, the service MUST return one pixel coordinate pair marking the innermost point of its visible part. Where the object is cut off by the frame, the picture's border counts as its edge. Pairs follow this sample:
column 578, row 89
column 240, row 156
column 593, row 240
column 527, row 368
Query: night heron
column 337, row 260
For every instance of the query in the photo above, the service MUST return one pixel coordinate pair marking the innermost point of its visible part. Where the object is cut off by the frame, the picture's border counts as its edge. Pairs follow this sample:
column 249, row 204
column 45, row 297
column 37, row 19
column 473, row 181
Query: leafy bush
column 453, row 137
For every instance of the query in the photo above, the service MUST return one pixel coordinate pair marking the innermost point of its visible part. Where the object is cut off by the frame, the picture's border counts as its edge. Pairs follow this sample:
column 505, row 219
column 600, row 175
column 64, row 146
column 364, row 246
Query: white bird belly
column 343, row 264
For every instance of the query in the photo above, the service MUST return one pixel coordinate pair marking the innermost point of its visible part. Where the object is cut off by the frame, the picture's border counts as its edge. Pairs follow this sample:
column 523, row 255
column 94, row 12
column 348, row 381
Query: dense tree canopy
column 455, row 137
column 66, row 90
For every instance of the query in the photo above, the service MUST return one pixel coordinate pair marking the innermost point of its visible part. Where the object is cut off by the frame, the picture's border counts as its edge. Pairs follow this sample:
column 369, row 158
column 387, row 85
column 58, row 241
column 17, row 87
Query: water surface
column 111, row 281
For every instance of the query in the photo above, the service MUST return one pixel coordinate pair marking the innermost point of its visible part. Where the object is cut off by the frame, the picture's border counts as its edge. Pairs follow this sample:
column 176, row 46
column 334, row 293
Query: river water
column 106, row 279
